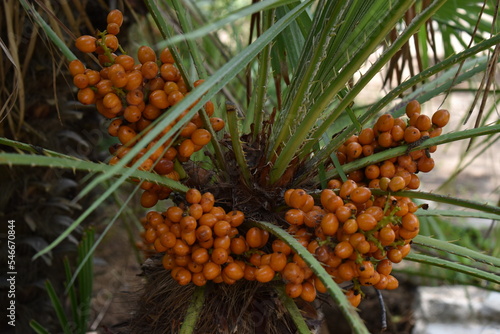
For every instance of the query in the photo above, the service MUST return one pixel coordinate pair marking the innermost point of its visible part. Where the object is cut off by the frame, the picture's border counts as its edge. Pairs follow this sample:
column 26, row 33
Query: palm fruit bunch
column 356, row 235
column 132, row 95
column 400, row 172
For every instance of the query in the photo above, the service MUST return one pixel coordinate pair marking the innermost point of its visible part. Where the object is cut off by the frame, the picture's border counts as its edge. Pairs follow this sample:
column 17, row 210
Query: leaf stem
column 293, row 310
column 239, row 154
column 261, row 83
column 193, row 311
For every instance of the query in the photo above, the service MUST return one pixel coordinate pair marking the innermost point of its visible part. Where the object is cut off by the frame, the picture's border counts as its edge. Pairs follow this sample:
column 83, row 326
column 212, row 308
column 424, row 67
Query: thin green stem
column 48, row 30
column 239, row 154
column 38, row 328
column 56, row 303
column 457, row 267
column 293, row 310
column 261, row 83
column 193, row 311
column 220, row 159
column 193, row 48
column 451, row 248
column 12, row 159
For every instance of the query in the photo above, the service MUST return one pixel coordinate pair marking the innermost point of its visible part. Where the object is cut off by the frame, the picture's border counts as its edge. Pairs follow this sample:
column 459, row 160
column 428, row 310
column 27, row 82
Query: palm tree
column 287, row 133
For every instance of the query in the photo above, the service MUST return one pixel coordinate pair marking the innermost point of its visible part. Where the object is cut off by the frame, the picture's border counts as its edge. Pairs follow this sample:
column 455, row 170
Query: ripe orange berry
column 366, row 222
column 347, row 271
column 397, row 183
column 86, row 43
column 366, row 136
column 264, row 274
column 211, row 270
column 372, row 172
column 385, row 139
column 115, row 16
column 293, row 290
column 360, row 195
column 423, row 123
column 234, row 271
column 80, row 81
column 278, row 261
column 346, row 188
column 329, row 224
column 392, row 283
column 343, row 213
column 413, row 107
column 149, row 199
column 354, row 150
column 343, row 250
column 397, row 133
column 387, row 170
column 281, row 246
column 354, row 297
column 149, row 69
column 425, row 164
column 207, row 201
column 175, row 97
column 76, row 67
column 385, row 123
column 158, row 98
column 308, row 292
column 293, row 273
column 110, row 41
column 441, row 118
column 169, row 72
column 199, row 279
column 219, row 255
column 350, row 226
column 166, row 56
column 86, row 96
column 126, row 134
column 132, row 114
column 298, row 198
column 186, row 148
column 145, row 54
column 412, row 134
column 201, row 137
column 209, row 108
column 295, row 217
column 410, row 222
column 394, row 255
column 193, row 196
column 254, row 237
column 217, row 123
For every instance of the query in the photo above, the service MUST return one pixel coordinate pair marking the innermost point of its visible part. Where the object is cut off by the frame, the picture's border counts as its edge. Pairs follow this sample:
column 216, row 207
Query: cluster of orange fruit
column 400, row 172
column 354, row 234
column 133, row 95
